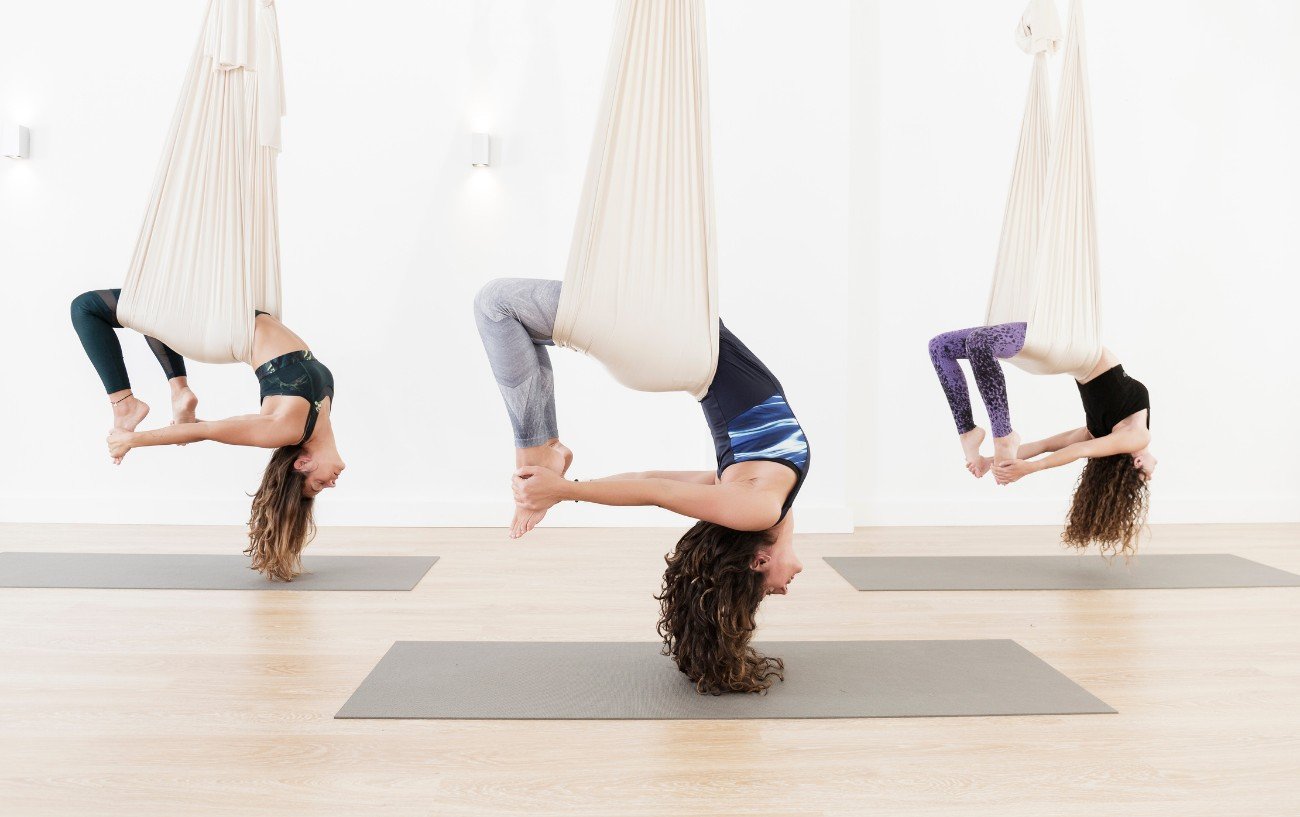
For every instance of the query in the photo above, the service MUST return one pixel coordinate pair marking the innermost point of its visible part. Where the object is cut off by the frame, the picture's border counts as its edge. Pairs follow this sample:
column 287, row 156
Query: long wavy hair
column 281, row 523
column 707, row 606
column 1109, row 506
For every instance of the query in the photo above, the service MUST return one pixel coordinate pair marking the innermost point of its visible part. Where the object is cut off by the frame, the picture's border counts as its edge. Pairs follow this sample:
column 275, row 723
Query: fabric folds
column 1047, row 272
column 208, row 254
column 641, row 288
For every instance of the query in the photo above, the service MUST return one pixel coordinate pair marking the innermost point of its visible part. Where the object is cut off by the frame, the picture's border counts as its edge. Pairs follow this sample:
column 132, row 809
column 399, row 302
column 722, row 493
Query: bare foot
column 554, row 455
column 980, row 467
column 970, row 446
column 129, row 412
column 524, row 521
column 1005, row 448
column 184, row 404
column 566, row 453
column 118, row 444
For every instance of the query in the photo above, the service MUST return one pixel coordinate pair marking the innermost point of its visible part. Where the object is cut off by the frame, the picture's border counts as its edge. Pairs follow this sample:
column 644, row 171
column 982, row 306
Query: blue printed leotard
column 748, row 414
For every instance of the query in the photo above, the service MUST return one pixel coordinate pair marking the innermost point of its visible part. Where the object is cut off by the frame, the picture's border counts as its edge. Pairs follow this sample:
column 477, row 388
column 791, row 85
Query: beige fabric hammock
column 208, row 253
column 641, row 289
column 1046, row 273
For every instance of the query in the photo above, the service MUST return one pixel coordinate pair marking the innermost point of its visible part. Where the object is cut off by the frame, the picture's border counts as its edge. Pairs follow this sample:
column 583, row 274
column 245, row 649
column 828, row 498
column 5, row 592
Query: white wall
column 1196, row 117
column 387, row 233
column 860, row 182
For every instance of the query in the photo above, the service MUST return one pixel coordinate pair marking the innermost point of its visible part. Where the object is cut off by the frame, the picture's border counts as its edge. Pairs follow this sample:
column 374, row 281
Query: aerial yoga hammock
column 640, row 296
column 204, row 283
column 1044, row 313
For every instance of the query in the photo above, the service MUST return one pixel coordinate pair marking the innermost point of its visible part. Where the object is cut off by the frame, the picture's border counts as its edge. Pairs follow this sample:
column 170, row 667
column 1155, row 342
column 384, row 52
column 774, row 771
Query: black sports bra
column 1110, row 397
column 298, row 374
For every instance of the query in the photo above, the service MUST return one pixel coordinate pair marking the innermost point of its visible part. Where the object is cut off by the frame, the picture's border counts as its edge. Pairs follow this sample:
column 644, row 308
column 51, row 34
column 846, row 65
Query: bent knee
column 938, row 344
column 492, row 298
column 87, row 303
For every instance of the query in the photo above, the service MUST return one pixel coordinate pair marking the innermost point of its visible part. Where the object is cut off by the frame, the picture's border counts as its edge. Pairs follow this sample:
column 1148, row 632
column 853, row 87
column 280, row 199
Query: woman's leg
column 945, row 351
column 184, row 401
column 94, row 316
column 516, row 317
column 984, row 347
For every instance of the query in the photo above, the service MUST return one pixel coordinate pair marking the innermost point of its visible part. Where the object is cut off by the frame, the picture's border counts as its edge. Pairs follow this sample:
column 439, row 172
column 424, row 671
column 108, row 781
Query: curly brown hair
column 707, row 607
column 281, row 523
column 1109, row 506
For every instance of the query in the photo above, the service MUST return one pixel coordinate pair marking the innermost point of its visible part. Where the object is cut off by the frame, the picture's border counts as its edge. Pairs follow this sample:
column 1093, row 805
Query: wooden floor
column 221, row 703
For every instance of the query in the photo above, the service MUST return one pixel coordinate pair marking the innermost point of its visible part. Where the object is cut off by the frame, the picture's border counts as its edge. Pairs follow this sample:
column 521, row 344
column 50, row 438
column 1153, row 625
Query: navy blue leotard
column 747, row 412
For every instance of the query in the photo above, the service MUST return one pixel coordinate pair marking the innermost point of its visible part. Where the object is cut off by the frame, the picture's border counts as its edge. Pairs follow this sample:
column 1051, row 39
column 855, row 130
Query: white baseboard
column 349, row 512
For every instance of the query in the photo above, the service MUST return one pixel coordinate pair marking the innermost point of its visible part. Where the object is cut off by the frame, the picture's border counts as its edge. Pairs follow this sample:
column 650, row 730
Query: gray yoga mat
column 611, row 680
column 1088, row 572
column 176, row 571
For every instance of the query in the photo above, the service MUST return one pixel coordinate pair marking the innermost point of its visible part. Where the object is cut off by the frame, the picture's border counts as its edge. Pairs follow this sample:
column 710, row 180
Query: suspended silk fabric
column 208, row 254
column 1059, row 297
column 1011, row 298
column 641, row 289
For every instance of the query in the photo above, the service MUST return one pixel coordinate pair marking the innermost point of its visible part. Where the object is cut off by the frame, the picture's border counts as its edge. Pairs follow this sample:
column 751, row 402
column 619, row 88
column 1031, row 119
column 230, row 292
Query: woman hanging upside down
column 1110, row 500
column 297, row 395
column 741, row 549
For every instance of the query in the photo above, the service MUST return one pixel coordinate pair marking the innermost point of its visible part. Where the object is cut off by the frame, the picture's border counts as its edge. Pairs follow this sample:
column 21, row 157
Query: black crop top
column 750, row 419
column 298, row 374
column 1110, row 397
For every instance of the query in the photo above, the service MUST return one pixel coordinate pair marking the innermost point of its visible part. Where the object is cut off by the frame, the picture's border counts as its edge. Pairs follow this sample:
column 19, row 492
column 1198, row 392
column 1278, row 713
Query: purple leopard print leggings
column 982, row 346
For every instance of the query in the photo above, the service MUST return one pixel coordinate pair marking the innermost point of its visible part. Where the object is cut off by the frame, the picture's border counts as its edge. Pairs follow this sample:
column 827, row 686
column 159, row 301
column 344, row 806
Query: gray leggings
column 516, row 317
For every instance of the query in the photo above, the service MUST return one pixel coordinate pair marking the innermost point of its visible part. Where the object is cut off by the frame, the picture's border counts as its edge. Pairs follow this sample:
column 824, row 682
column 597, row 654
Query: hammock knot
column 1039, row 29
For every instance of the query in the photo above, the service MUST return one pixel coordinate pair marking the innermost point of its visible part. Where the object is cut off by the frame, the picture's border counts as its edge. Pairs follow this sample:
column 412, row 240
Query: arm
column 738, row 505
column 1128, row 441
column 1053, row 443
column 734, row 504
column 698, row 477
column 258, row 430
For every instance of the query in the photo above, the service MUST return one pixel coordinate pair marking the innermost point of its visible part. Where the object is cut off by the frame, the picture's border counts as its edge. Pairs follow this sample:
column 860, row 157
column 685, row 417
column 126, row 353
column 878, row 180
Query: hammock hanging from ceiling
column 641, row 289
column 1046, row 273
column 208, row 254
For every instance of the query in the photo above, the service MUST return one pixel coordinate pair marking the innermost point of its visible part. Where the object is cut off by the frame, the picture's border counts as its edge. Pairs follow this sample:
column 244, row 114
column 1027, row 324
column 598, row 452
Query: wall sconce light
column 480, row 150
column 14, row 141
